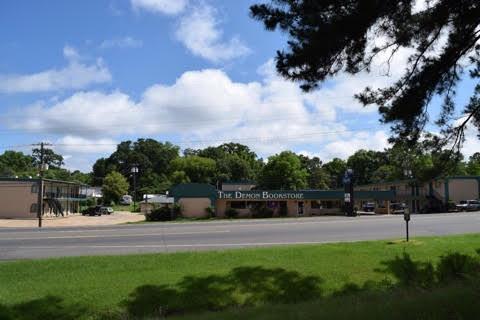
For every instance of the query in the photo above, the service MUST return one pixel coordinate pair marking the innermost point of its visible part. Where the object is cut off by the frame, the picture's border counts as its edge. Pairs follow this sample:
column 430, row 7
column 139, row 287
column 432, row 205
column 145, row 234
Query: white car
column 468, row 205
column 126, row 200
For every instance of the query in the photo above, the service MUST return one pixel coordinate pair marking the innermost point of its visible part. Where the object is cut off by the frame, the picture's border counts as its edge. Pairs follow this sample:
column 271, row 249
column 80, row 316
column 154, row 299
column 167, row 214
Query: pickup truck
column 468, row 205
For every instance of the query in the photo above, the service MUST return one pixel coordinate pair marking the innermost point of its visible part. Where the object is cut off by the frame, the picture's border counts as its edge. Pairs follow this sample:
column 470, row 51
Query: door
column 300, row 206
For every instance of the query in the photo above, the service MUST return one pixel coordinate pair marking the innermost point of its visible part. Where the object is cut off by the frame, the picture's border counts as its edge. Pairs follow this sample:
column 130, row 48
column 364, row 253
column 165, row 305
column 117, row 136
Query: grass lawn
column 188, row 283
column 128, row 208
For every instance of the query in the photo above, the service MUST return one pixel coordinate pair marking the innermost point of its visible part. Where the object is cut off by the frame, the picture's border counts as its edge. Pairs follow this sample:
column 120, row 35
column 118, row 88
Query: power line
column 180, row 123
column 187, row 142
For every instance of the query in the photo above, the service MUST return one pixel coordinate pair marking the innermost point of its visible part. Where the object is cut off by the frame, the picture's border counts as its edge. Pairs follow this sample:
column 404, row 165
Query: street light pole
column 134, row 171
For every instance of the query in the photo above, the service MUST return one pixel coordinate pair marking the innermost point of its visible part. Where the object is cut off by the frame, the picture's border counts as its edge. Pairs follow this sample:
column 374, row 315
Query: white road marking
column 118, row 235
column 183, row 245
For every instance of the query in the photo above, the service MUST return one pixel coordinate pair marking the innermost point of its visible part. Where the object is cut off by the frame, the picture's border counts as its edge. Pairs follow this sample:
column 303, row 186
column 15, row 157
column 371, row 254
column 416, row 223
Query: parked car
column 92, row 211
column 106, row 210
column 368, row 206
column 398, row 207
column 468, row 205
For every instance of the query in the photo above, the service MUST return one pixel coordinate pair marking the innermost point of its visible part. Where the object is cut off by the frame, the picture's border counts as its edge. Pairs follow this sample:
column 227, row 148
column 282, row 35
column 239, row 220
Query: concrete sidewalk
column 74, row 221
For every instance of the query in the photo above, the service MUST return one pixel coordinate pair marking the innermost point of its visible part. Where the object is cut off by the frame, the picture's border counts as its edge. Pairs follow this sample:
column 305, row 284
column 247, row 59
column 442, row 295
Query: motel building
column 418, row 197
column 19, row 198
column 195, row 198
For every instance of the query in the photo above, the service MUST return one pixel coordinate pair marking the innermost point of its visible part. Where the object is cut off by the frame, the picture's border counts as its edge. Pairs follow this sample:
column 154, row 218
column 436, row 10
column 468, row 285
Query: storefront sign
column 259, row 195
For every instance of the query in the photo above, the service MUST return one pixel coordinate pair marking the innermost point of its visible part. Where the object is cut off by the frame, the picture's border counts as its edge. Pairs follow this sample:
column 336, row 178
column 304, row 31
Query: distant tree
column 335, row 169
column 114, row 186
column 149, row 155
column 51, row 158
column 385, row 172
column 178, row 177
column 283, row 171
column 13, row 163
column 364, row 163
column 318, row 178
column 473, row 165
column 234, row 161
column 331, row 36
column 197, row 169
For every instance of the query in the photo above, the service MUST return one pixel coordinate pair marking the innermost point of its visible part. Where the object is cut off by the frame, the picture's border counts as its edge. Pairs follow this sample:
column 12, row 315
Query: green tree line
column 161, row 165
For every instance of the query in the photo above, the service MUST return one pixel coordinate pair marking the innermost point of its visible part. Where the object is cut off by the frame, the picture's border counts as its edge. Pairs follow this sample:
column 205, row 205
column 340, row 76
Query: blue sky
column 85, row 75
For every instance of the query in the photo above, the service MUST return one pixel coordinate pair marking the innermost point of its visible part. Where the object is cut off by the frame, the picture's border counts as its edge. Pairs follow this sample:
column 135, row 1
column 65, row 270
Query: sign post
column 348, row 188
column 406, row 217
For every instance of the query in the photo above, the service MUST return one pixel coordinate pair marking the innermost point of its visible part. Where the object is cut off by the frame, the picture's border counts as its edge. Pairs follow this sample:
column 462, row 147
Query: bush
column 457, row 266
column 210, row 211
column 231, row 213
column 161, row 214
column 177, row 210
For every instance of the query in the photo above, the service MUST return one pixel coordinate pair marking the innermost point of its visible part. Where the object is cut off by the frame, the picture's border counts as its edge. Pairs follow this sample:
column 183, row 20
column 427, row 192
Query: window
column 329, row 204
column 315, row 204
column 238, row 204
column 33, row 208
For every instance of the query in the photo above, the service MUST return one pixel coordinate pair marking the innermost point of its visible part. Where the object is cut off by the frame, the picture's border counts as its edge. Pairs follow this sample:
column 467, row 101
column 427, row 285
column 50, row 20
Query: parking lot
column 75, row 220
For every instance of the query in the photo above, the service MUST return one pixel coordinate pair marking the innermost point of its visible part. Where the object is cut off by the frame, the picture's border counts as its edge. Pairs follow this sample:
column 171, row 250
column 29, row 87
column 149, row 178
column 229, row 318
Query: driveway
column 74, row 221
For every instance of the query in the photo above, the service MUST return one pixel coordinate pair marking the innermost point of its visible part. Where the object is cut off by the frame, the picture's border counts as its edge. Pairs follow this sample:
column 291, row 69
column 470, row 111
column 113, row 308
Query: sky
column 86, row 75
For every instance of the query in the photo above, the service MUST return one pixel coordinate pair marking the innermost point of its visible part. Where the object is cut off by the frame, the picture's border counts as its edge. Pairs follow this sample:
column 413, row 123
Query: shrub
column 412, row 273
column 457, row 266
column 177, row 210
column 231, row 213
column 160, row 214
column 210, row 211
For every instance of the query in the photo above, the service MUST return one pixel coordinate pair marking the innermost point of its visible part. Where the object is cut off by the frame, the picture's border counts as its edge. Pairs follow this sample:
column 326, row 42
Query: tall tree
column 473, row 165
column 16, row 163
column 335, row 169
column 197, row 169
column 318, row 178
column 51, row 158
column 364, row 163
column 234, row 161
column 114, row 186
column 283, row 171
column 331, row 36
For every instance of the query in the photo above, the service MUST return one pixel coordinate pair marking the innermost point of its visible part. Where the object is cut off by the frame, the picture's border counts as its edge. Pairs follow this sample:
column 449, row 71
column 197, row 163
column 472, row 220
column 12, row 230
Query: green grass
column 98, row 287
column 128, row 208
column 454, row 301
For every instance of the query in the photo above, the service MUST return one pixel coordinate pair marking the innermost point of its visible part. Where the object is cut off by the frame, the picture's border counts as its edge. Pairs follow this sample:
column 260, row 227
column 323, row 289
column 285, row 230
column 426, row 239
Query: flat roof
column 44, row 179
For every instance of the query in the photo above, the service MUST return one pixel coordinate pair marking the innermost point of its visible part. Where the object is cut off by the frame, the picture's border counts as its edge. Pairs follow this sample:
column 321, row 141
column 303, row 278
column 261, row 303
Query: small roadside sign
column 347, row 197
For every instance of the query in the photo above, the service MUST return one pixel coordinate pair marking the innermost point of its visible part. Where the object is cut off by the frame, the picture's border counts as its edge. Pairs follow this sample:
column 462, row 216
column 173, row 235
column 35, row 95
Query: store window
column 238, row 205
column 330, row 204
column 315, row 204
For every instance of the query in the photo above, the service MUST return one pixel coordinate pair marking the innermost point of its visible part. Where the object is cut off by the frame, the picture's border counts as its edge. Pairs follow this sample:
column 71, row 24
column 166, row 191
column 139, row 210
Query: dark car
column 398, row 208
column 368, row 207
column 92, row 211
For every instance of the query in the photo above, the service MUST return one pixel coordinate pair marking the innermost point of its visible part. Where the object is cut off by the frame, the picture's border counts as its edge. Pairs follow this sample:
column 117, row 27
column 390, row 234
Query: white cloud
column 76, row 75
column 203, row 108
column 74, row 145
column 168, row 7
column 199, row 32
column 125, row 42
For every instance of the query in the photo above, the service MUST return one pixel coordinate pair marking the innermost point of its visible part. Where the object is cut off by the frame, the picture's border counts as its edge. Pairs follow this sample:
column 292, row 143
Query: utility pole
column 42, row 167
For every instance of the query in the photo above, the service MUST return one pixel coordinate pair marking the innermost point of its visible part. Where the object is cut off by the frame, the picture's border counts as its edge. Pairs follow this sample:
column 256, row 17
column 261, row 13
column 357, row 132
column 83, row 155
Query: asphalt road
column 169, row 237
